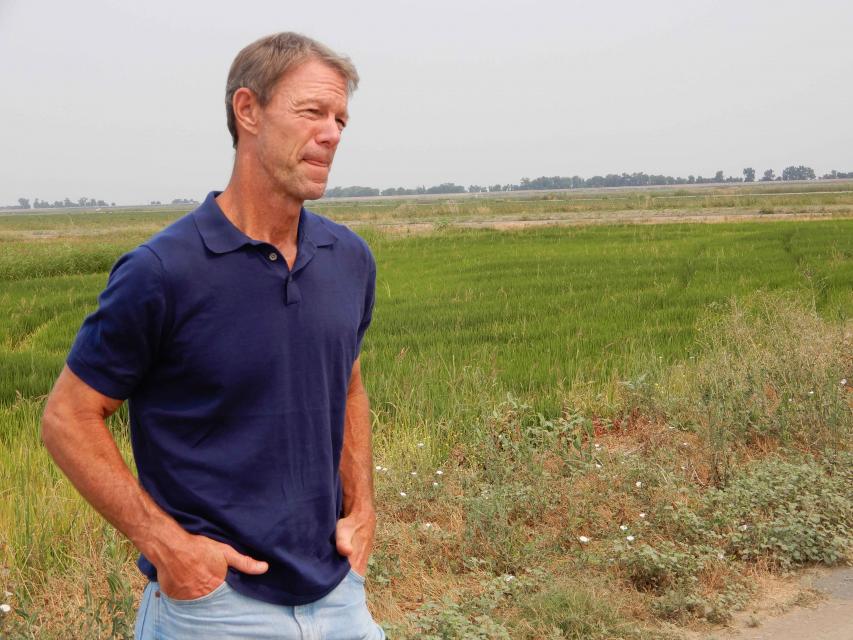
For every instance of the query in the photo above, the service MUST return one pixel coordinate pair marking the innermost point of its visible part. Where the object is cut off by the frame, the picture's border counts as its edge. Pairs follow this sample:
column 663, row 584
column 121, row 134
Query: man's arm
column 75, row 434
column 356, row 530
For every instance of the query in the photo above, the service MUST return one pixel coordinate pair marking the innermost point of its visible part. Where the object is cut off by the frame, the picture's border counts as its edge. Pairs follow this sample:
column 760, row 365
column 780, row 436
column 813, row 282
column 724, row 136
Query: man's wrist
column 362, row 510
column 158, row 537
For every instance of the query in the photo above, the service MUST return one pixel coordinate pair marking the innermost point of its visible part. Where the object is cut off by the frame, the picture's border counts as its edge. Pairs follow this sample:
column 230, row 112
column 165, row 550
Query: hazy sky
column 123, row 100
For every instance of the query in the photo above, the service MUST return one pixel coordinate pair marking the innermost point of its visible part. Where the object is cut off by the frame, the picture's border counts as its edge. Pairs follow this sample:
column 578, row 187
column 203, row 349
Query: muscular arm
column 75, row 434
column 357, row 528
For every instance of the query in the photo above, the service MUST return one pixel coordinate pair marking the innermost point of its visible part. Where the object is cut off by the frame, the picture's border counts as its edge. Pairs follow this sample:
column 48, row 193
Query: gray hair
column 260, row 65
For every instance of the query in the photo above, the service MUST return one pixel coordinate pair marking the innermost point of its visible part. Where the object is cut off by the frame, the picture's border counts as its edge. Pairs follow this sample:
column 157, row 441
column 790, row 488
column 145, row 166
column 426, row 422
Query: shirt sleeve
column 369, row 299
column 119, row 342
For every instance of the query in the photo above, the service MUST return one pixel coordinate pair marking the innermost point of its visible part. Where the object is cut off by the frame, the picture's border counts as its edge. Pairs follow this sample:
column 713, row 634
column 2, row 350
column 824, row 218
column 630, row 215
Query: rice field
column 464, row 319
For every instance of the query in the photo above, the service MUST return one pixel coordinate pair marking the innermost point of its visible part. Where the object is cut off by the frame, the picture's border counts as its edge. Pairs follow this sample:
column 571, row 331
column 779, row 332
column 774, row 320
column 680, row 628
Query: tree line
column 24, row 203
column 639, row 179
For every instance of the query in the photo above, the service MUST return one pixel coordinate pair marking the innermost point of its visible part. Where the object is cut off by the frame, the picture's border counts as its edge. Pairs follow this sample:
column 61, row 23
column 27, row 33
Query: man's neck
column 261, row 212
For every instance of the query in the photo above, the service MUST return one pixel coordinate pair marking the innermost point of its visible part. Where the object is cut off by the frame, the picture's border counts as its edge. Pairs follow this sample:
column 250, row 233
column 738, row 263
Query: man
column 235, row 335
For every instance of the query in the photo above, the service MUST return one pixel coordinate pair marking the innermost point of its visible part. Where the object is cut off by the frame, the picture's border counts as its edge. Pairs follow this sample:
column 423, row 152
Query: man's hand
column 354, row 532
column 354, row 538
column 197, row 565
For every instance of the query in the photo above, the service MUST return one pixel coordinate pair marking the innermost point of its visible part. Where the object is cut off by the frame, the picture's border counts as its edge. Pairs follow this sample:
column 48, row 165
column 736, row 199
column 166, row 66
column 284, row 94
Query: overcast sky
column 124, row 100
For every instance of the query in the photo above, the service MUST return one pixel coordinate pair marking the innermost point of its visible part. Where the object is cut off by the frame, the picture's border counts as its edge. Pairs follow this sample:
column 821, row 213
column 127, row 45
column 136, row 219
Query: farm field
column 563, row 378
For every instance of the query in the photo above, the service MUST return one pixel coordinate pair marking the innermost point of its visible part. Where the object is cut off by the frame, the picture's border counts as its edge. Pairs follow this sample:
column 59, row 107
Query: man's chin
column 315, row 190
column 315, row 194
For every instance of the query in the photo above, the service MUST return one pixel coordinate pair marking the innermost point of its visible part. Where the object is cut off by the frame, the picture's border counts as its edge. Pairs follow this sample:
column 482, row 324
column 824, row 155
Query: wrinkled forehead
column 313, row 75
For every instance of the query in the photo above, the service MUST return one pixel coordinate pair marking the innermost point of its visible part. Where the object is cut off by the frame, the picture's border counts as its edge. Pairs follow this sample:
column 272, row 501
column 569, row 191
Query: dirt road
column 819, row 606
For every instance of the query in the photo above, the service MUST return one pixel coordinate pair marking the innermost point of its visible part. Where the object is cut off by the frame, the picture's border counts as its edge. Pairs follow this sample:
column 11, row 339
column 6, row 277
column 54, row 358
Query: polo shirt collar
column 221, row 236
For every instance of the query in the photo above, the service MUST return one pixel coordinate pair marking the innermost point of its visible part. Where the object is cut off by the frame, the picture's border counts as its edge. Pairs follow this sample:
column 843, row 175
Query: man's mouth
column 317, row 163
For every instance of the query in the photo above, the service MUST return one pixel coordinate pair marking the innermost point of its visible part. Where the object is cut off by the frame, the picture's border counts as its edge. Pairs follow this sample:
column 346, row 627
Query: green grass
column 554, row 316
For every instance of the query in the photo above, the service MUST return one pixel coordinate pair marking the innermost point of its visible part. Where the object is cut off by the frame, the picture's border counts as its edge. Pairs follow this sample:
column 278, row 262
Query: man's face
column 300, row 127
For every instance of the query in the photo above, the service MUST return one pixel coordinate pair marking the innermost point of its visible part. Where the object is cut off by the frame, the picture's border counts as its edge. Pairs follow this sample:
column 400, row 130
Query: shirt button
column 273, row 256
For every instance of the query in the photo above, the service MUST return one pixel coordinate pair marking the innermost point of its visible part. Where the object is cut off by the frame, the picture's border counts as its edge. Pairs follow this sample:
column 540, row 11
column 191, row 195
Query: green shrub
column 770, row 369
column 787, row 513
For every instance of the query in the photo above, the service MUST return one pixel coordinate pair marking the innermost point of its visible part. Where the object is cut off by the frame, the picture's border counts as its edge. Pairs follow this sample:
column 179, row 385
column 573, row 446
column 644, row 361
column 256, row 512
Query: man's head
column 259, row 66
column 287, row 97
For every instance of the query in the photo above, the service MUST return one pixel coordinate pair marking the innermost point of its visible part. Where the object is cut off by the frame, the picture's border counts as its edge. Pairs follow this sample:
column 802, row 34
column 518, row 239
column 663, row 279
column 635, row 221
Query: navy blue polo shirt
column 236, row 370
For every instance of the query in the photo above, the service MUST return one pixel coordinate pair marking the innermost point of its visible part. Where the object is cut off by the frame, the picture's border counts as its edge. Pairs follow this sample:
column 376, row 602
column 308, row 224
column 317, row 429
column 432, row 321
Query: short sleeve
column 118, row 343
column 369, row 298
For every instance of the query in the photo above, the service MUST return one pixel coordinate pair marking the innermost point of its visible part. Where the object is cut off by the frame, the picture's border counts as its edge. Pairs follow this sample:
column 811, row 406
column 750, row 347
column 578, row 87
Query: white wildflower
column 843, row 381
column 402, row 494
column 638, row 484
column 428, row 525
column 439, row 472
column 629, row 538
column 597, row 446
column 642, row 515
column 743, row 527
column 509, row 578
column 721, row 556
column 414, row 473
column 811, row 393
column 583, row 539
column 5, row 608
column 623, row 527
column 597, row 466
column 435, row 484
column 420, row 445
column 8, row 594
column 379, row 467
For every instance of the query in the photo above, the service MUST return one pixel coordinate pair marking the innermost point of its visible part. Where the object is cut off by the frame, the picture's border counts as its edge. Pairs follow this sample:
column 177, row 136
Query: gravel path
column 829, row 617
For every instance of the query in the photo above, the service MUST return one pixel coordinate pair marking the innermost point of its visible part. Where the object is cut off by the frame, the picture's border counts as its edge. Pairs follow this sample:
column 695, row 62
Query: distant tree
column 718, row 177
column 768, row 176
column 24, row 202
column 446, row 187
column 749, row 174
column 495, row 187
column 475, row 188
column 691, row 179
column 112, row 204
column 798, row 173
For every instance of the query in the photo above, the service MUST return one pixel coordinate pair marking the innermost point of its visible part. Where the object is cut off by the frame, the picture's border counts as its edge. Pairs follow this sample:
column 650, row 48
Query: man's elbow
column 51, row 425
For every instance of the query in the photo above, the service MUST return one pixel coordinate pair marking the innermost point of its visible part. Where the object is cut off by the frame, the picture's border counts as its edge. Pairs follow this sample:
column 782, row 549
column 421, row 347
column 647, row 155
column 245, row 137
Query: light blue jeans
column 226, row 614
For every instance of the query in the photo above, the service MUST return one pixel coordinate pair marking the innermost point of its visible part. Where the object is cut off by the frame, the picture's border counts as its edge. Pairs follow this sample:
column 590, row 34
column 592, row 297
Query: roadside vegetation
column 596, row 432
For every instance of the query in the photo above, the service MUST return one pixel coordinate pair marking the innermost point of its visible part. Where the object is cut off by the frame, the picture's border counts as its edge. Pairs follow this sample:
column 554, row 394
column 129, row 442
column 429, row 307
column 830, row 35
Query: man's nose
column 330, row 132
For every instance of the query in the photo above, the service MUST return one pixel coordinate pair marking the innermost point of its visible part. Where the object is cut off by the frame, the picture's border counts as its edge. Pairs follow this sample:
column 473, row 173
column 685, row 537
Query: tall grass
column 555, row 317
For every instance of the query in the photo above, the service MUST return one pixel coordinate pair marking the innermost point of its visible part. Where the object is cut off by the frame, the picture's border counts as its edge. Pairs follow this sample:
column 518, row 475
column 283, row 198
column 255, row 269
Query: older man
column 234, row 334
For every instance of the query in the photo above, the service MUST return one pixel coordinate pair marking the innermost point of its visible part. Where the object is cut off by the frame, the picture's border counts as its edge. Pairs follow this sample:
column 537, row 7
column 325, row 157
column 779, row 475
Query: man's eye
column 341, row 124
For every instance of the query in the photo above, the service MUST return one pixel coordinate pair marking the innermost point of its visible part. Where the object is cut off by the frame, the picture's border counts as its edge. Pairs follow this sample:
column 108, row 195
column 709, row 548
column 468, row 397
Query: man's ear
column 246, row 110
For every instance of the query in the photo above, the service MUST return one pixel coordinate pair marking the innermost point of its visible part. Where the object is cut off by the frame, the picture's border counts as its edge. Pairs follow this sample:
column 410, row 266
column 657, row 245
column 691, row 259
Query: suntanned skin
column 284, row 154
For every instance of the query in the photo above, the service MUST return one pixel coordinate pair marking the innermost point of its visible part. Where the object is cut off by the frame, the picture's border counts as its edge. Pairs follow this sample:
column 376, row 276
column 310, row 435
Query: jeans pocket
column 357, row 577
column 208, row 596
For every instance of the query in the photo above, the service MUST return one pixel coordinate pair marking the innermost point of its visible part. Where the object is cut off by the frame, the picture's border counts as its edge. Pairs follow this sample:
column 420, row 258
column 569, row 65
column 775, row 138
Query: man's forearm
column 357, row 455
column 76, row 436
